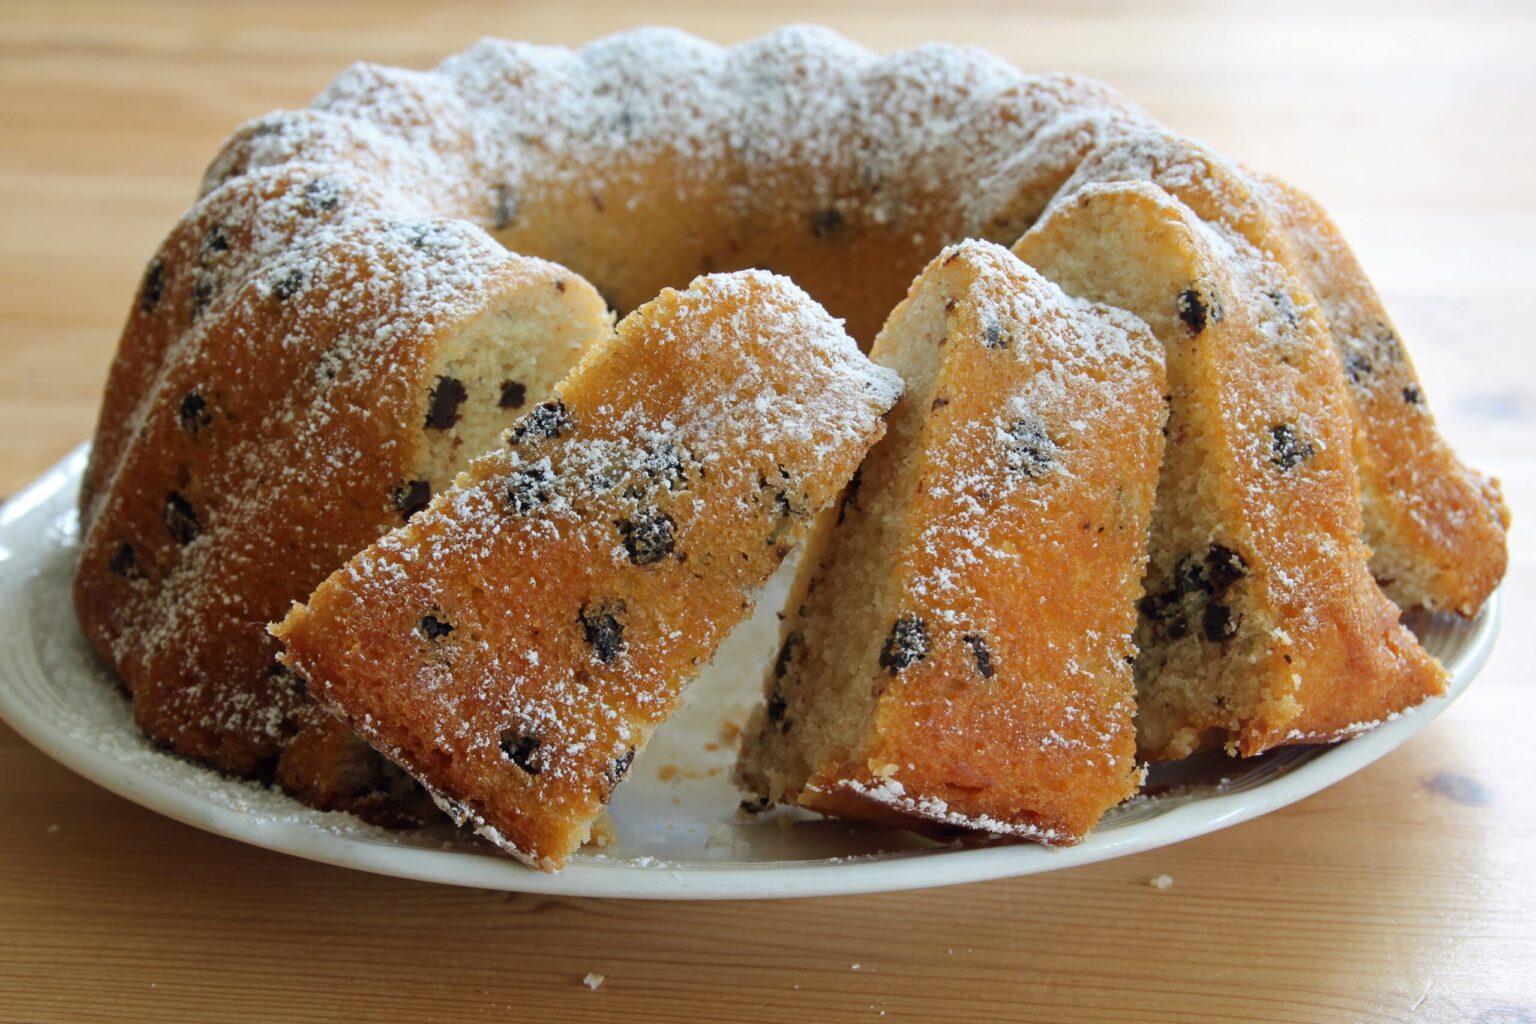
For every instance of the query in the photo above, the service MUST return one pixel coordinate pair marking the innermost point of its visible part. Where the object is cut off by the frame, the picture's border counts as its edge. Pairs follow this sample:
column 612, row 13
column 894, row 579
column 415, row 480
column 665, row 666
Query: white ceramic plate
column 679, row 834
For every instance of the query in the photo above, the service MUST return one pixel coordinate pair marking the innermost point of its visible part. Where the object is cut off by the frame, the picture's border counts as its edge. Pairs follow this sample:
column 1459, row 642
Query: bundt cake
column 338, row 326
column 1261, row 624
column 515, row 644
column 957, row 645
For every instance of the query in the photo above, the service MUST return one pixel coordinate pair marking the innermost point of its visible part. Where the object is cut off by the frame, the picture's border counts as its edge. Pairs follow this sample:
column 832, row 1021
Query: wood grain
column 1402, row 894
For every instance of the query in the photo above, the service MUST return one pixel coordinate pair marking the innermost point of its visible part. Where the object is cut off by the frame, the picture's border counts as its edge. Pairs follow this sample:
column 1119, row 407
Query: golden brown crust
column 516, row 643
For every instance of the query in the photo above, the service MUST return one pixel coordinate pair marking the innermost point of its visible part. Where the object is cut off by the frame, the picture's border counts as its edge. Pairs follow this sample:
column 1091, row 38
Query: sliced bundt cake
column 515, row 644
column 1261, row 623
column 956, row 651
column 332, row 332
column 298, row 376
column 1435, row 528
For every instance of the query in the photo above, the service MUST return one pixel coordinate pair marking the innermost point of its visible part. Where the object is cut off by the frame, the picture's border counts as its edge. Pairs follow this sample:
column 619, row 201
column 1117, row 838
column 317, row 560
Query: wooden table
column 1402, row 894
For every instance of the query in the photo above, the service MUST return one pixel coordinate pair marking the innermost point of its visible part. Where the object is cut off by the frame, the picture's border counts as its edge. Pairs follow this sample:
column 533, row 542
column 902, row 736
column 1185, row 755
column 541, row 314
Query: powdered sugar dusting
column 891, row 793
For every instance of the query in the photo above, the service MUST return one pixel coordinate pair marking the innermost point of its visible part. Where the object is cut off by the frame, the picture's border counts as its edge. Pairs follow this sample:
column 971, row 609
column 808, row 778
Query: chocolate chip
column 1198, row 310
column 125, row 563
column 523, row 751
column 1158, row 606
column 152, row 287
column 1218, row 622
column 193, row 413
column 782, row 506
column 786, row 654
column 288, row 285
column 1224, row 567
column 443, row 406
column 1189, row 576
column 992, row 334
column 828, row 222
column 528, row 488
column 503, row 207
column 1411, row 395
column 181, row 519
column 411, row 497
column 648, row 537
column 513, row 395
column 215, row 240
column 434, row 628
column 202, row 295
column 322, row 195
column 1028, row 449
column 981, row 653
column 850, row 494
column 906, row 645
column 1178, row 629
column 602, row 623
column 754, row 805
column 620, row 768
column 777, row 705
column 1288, row 449
column 1358, row 367
column 547, row 419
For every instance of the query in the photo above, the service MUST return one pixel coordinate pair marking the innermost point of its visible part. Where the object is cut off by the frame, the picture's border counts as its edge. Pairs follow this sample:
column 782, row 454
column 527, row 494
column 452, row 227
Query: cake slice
column 956, row 651
column 1261, row 624
column 298, row 375
column 1436, row 529
column 515, row 644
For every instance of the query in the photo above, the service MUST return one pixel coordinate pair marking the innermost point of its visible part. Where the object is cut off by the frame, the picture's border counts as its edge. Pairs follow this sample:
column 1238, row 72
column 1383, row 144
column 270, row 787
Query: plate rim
column 598, row 876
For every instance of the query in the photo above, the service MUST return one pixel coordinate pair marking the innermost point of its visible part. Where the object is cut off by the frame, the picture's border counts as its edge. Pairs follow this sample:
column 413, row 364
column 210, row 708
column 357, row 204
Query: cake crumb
column 1162, row 883
column 604, row 834
column 54, row 829
column 721, row 835
column 592, row 981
